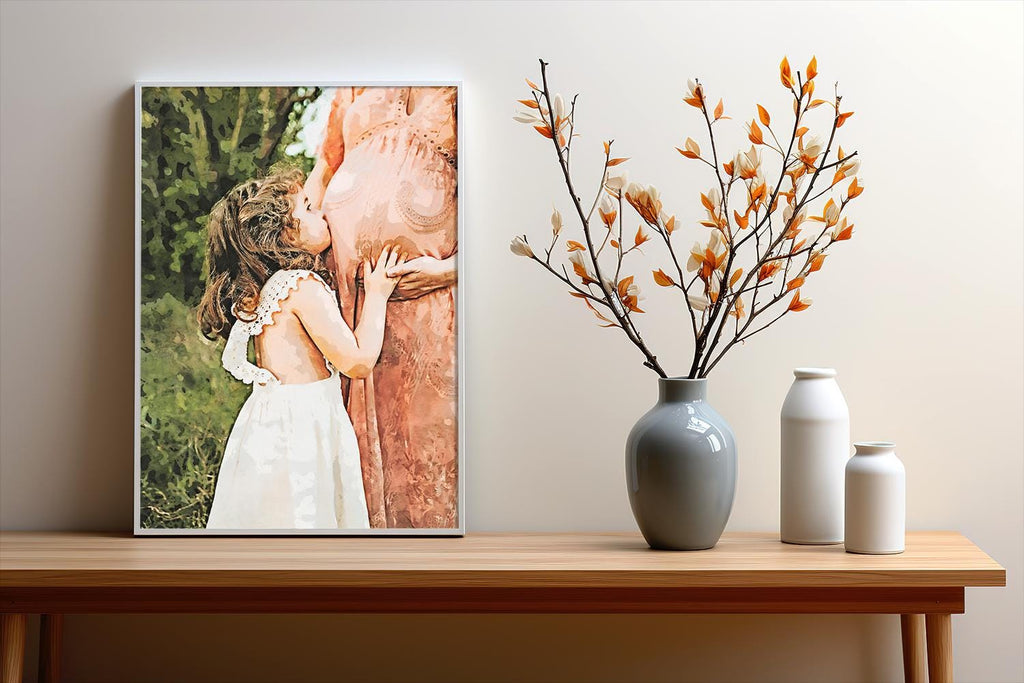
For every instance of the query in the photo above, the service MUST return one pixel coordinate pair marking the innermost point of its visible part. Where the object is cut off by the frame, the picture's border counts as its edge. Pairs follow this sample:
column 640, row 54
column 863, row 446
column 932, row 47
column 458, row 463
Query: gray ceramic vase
column 681, row 468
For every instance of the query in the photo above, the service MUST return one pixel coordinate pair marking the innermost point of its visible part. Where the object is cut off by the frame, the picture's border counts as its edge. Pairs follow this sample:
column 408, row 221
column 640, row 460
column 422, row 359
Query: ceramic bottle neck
column 874, row 448
column 814, row 373
column 681, row 389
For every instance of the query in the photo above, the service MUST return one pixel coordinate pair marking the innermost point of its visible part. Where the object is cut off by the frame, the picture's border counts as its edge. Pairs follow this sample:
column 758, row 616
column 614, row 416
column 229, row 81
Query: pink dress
column 397, row 183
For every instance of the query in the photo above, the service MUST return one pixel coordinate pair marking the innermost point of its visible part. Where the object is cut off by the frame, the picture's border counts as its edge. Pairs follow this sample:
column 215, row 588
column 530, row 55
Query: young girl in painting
column 292, row 459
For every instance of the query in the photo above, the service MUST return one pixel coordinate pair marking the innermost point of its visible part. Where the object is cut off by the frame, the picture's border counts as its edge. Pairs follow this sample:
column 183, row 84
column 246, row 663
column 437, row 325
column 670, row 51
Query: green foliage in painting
column 188, row 405
column 197, row 143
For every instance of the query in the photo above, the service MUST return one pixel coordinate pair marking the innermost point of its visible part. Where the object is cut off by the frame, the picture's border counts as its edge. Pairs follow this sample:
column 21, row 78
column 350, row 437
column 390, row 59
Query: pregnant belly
column 372, row 200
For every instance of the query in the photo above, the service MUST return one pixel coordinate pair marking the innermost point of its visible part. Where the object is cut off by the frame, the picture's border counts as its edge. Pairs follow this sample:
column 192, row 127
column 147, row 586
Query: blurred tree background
column 197, row 143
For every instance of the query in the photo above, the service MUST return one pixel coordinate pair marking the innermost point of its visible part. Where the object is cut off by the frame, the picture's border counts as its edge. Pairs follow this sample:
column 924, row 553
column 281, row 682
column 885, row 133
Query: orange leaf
column 767, row 270
column 573, row 245
column 670, row 224
column 785, row 75
column 532, row 104
column 797, row 246
column 687, row 153
column 596, row 312
column 755, row 133
column 737, row 308
column 816, row 103
column 742, row 221
column 630, row 302
column 581, row 270
column 544, row 130
column 607, row 148
column 830, row 213
column 532, row 84
column 623, row 286
column 841, row 119
column 727, row 167
column 796, row 304
column 616, row 162
column 661, row 278
column 844, row 234
column 735, row 278
column 801, row 131
column 561, row 140
column 854, row 190
column 615, row 244
column 640, row 237
column 817, row 262
column 762, row 114
column 794, row 283
column 812, row 68
column 608, row 218
column 719, row 110
column 706, row 201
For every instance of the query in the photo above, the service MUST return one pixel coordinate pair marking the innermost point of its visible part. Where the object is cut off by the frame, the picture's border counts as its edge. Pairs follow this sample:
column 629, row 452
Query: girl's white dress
column 292, row 460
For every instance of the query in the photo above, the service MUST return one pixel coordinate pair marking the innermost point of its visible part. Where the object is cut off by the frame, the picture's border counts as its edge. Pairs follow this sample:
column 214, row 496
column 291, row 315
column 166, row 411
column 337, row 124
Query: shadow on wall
column 104, row 460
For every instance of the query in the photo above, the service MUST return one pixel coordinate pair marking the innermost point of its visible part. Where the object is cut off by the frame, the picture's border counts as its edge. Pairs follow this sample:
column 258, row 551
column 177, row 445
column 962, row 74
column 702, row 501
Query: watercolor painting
column 298, row 309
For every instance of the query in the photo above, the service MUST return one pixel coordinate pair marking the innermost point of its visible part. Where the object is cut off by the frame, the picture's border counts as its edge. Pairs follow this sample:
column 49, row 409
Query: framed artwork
column 298, row 309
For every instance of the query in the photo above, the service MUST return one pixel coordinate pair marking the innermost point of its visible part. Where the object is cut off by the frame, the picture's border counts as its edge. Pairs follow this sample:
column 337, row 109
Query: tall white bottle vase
column 815, row 448
column 876, row 500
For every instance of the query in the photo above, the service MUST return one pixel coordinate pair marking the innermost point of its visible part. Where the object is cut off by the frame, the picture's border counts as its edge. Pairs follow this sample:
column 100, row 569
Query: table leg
column 50, row 635
column 940, row 647
column 12, row 647
column 912, row 627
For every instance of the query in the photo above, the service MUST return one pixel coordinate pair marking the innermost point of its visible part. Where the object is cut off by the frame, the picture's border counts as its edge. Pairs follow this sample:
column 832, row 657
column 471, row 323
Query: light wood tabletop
column 932, row 558
column 56, row 573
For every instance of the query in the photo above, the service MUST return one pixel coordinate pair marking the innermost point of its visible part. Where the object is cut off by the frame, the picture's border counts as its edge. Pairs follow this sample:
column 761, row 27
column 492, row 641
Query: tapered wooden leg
column 50, row 634
column 12, row 647
column 912, row 626
column 940, row 647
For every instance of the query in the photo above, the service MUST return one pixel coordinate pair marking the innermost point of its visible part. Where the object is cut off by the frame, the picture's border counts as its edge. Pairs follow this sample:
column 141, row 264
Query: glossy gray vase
column 681, row 468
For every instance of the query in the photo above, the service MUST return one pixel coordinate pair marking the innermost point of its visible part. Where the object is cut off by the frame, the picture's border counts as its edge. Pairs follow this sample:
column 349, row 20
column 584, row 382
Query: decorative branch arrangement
column 778, row 252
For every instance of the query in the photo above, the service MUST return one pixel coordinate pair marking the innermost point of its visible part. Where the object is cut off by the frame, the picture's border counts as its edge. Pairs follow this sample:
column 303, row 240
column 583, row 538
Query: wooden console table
column 53, row 574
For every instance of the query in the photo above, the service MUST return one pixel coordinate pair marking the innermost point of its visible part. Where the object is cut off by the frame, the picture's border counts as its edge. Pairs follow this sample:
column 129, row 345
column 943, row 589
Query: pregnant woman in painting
column 387, row 172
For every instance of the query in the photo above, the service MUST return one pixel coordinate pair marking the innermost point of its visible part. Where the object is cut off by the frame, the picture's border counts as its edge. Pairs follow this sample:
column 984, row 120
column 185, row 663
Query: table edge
column 498, row 578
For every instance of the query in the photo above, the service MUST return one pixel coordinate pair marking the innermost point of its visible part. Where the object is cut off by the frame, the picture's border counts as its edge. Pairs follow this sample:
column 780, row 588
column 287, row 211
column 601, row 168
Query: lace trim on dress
column 235, row 359
column 276, row 290
column 420, row 222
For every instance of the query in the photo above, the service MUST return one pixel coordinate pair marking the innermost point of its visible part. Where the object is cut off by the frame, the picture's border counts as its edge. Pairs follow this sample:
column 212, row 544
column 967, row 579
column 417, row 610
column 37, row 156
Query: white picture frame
column 460, row 298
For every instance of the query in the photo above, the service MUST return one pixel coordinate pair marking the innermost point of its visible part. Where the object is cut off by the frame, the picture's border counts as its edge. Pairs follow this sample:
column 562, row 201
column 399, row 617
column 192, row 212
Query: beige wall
column 921, row 313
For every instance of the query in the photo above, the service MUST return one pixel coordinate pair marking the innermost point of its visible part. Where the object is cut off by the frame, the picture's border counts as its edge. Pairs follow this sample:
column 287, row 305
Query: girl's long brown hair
column 248, row 241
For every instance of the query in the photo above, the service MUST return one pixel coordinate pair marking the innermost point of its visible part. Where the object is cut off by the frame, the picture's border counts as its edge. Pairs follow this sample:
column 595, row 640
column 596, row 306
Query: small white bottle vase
column 876, row 500
column 815, row 448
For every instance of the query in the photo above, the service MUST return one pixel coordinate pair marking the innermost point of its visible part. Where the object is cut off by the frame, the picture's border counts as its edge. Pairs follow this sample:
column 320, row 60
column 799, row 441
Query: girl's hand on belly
column 422, row 275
